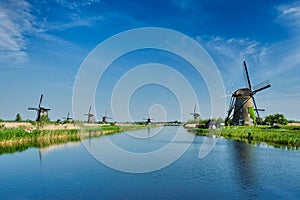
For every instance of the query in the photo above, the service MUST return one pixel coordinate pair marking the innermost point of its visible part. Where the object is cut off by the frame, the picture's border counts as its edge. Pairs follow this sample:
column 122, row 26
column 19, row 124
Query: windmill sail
column 247, row 75
column 261, row 86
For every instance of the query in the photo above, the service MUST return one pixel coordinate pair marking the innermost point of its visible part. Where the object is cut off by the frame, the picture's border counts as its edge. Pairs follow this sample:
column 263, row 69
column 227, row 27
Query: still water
column 232, row 170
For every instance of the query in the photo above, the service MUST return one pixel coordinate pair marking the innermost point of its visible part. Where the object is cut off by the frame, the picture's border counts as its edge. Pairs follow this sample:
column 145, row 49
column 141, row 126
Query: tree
column 18, row 118
column 276, row 118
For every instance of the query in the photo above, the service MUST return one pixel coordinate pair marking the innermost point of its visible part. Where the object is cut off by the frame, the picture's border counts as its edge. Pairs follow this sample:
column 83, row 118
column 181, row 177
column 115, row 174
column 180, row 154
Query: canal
column 232, row 170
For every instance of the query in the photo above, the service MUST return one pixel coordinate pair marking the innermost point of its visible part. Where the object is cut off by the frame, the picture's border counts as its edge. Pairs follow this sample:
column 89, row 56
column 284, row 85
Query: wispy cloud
column 229, row 55
column 76, row 6
column 234, row 49
column 86, row 22
column 20, row 21
column 284, row 56
column 16, row 21
column 289, row 14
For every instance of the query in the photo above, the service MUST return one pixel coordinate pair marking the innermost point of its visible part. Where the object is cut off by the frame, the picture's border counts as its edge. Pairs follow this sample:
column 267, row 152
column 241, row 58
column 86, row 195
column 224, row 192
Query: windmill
column 195, row 115
column 242, row 101
column 105, row 117
column 148, row 120
column 91, row 117
column 68, row 118
column 41, row 111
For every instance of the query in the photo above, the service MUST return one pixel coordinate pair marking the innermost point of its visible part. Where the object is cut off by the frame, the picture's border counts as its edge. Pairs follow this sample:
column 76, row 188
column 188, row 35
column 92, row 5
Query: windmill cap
column 242, row 92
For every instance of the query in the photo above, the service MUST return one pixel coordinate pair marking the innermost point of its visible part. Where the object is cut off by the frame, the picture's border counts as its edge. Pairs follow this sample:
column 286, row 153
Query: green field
column 284, row 137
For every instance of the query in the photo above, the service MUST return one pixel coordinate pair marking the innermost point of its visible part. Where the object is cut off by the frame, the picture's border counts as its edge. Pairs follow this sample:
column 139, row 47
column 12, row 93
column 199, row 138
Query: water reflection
column 56, row 147
column 244, row 166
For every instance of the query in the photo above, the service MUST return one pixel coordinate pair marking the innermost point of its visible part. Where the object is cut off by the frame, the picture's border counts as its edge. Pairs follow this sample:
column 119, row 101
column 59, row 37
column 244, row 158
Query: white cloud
column 19, row 21
column 289, row 14
column 76, row 6
column 87, row 22
column 235, row 49
column 229, row 54
column 15, row 22
column 282, row 57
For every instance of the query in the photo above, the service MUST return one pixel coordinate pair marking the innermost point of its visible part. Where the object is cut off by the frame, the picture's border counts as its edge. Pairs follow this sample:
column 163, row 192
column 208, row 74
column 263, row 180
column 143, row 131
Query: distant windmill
column 241, row 103
column 105, row 117
column 91, row 117
column 195, row 114
column 40, row 110
column 68, row 118
column 148, row 120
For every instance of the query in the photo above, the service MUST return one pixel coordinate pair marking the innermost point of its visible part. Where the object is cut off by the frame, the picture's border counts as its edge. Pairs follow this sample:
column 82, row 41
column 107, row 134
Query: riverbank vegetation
column 19, row 139
column 281, row 137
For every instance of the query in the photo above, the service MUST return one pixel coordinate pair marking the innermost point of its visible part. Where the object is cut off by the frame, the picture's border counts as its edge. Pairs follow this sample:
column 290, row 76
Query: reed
column 17, row 139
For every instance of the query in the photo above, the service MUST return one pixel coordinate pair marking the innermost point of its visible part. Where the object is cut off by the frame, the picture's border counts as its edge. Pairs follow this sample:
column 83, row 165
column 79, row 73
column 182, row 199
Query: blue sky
column 43, row 44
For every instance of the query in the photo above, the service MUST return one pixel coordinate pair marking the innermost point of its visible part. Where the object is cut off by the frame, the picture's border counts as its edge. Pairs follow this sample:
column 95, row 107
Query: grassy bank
column 17, row 139
column 286, row 136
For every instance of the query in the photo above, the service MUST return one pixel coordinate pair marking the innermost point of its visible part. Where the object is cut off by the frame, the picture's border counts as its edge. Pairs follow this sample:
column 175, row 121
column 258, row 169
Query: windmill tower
column 195, row 114
column 40, row 110
column 242, row 101
column 105, row 117
column 68, row 118
column 91, row 117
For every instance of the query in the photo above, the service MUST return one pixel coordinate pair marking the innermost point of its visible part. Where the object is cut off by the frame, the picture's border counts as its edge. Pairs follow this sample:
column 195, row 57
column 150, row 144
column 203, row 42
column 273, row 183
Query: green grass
column 286, row 136
column 20, row 134
column 17, row 139
column 19, row 146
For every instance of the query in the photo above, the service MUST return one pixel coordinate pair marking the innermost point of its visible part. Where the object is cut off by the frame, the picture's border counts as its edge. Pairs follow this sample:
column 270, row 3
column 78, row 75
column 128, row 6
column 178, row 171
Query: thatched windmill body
column 242, row 101
column 91, row 117
column 40, row 110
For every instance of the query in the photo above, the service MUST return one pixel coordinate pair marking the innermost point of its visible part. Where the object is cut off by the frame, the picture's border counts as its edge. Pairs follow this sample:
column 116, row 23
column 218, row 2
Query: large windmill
column 242, row 101
column 195, row 114
column 40, row 110
column 91, row 117
column 105, row 117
